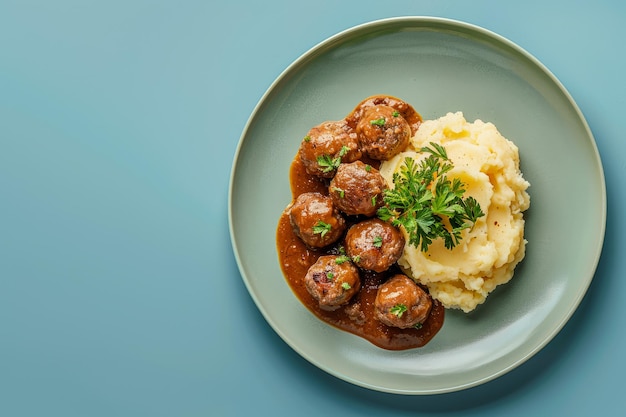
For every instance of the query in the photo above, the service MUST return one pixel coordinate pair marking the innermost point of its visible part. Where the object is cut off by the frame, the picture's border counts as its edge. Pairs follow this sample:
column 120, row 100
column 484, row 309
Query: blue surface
column 119, row 292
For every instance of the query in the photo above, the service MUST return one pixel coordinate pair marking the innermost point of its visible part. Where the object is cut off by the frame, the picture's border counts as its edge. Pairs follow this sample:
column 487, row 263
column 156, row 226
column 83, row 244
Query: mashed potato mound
column 488, row 164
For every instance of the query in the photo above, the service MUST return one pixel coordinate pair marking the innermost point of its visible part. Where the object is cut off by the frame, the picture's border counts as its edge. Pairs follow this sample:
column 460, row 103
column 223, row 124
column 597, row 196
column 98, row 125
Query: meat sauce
column 357, row 316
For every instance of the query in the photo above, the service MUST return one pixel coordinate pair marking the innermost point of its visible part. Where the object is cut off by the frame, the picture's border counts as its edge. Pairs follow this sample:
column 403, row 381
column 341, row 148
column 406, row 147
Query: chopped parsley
column 339, row 191
column 398, row 310
column 341, row 259
column 321, row 228
column 345, row 286
column 328, row 164
column 378, row 241
column 378, row 122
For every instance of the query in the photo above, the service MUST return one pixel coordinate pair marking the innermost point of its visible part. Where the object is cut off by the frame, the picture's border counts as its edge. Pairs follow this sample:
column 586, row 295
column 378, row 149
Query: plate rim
column 415, row 22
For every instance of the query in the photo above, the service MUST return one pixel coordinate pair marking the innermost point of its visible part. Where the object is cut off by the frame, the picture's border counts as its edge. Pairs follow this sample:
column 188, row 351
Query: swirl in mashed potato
column 488, row 164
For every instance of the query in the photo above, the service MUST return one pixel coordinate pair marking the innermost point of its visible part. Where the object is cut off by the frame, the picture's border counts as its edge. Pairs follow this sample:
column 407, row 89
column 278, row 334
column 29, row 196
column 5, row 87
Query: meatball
column 374, row 245
column 332, row 280
column 326, row 146
column 357, row 188
column 405, row 109
column 316, row 220
column 383, row 132
column 400, row 302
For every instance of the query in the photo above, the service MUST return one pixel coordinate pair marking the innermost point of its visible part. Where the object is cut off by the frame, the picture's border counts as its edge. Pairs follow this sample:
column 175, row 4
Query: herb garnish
column 321, row 228
column 423, row 197
column 398, row 310
column 395, row 113
column 345, row 286
column 378, row 241
column 341, row 259
column 378, row 122
column 328, row 163
column 339, row 191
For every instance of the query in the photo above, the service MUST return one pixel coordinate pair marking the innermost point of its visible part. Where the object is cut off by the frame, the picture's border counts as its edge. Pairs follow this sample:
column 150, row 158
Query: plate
column 437, row 65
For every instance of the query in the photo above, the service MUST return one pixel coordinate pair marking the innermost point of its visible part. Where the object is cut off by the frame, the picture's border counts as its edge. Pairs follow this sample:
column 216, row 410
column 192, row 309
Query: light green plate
column 437, row 65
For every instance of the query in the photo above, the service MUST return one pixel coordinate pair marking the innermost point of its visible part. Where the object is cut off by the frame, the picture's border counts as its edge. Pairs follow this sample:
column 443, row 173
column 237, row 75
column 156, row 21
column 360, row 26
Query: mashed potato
column 488, row 165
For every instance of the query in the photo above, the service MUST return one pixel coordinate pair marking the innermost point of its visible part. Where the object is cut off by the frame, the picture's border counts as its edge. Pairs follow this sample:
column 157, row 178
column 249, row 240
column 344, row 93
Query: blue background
column 119, row 292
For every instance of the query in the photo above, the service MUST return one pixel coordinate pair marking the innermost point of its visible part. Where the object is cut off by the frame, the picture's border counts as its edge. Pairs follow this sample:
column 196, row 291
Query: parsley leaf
column 426, row 203
column 340, row 191
column 321, row 228
column 398, row 310
column 378, row 122
column 378, row 241
column 341, row 259
column 328, row 164
column 345, row 286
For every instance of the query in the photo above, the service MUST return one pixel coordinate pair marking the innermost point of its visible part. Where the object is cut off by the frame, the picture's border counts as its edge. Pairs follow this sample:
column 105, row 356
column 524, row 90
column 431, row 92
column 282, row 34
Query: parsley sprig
column 398, row 310
column 378, row 122
column 321, row 228
column 328, row 163
column 426, row 203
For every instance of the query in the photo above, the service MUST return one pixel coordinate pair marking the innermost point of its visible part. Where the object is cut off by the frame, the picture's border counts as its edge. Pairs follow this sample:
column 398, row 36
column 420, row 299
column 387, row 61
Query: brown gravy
column 357, row 316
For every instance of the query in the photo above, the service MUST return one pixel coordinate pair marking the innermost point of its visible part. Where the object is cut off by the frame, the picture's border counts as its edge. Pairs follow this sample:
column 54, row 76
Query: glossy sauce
column 357, row 316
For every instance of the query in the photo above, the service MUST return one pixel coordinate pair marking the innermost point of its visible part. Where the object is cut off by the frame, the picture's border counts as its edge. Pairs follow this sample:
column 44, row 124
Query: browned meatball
column 316, row 220
column 332, row 280
column 405, row 109
column 383, row 132
column 357, row 188
column 400, row 302
column 374, row 244
column 326, row 145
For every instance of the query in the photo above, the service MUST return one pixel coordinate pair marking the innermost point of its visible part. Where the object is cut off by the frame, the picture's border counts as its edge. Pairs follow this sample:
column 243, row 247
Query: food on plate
column 400, row 302
column 394, row 219
column 328, row 167
column 374, row 245
column 357, row 188
column 326, row 145
column 315, row 220
column 487, row 164
column 332, row 280
column 382, row 132
column 407, row 112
